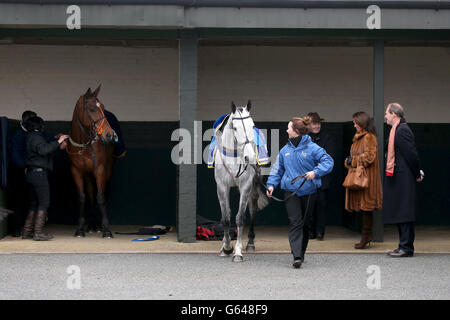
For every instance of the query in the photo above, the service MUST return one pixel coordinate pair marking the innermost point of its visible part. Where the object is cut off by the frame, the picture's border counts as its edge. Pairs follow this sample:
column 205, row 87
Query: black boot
column 39, row 234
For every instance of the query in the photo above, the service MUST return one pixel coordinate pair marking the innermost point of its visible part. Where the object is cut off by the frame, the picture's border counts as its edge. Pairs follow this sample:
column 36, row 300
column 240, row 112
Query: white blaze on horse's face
column 243, row 132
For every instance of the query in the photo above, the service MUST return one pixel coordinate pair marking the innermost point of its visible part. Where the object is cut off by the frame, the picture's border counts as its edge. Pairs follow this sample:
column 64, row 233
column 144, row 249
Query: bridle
column 93, row 135
column 247, row 141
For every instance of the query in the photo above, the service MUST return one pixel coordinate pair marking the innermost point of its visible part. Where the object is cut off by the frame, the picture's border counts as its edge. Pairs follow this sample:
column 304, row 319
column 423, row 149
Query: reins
column 292, row 182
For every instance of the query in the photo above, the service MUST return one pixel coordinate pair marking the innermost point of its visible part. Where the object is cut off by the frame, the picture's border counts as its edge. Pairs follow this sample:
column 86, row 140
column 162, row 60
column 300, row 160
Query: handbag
column 356, row 178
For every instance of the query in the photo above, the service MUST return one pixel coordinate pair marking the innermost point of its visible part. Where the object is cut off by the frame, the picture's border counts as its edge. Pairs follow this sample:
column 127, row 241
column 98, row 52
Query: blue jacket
column 294, row 161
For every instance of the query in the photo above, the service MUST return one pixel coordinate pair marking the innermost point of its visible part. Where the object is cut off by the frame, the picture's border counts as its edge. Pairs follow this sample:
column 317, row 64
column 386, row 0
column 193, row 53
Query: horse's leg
column 223, row 193
column 91, row 209
column 240, row 217
column 100, row 178
column 251, row 232
column 78, row 179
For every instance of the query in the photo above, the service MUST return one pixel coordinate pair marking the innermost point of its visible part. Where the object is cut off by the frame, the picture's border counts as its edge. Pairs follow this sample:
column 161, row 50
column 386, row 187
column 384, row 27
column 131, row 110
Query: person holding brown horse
column 91, row 159
column 38, row 162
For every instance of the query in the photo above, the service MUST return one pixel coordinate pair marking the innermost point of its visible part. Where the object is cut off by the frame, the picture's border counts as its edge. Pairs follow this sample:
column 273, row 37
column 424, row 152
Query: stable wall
column 141, row 84
column 138, row 84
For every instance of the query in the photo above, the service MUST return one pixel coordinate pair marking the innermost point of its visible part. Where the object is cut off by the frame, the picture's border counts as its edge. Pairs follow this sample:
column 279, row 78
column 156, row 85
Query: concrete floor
column 429, row 239
column 210, row 277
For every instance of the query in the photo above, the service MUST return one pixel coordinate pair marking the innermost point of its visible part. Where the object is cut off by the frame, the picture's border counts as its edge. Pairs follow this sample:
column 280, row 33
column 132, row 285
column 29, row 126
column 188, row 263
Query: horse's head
column 91, row 116
column 242, row 125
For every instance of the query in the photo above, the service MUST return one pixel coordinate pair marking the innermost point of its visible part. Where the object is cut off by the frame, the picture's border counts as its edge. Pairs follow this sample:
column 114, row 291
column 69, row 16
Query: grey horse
column 235, row 166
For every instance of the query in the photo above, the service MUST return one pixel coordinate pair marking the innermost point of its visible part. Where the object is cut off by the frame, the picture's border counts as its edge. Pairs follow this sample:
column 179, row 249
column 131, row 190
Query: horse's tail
column 261, row 199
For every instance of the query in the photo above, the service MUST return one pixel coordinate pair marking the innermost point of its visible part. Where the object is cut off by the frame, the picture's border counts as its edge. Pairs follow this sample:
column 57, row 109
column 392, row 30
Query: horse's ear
column 88, row 92
column 97, row 91
column 233, row 107
column 249, row 105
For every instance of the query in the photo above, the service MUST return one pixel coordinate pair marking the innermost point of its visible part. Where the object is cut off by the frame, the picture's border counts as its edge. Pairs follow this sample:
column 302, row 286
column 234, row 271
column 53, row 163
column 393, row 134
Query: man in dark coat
column 402, row 173
column 120, row 150
column 16, row 173
column 324, row 140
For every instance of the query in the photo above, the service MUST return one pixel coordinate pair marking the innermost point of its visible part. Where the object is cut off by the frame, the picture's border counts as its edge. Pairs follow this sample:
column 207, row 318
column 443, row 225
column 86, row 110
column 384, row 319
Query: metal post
column 378, row 114
column 187, row 173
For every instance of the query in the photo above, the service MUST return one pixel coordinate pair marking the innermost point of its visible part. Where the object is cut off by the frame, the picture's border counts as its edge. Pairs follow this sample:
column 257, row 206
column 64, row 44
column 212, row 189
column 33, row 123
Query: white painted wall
column 141, row 84
column 419, row 79
column 283, row 82
column 137, row 83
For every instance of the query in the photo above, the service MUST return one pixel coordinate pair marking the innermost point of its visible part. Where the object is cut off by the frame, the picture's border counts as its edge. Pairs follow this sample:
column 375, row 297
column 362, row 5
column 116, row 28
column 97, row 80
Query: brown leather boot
column 28, row 228
column 39, row 234
column 366, row 236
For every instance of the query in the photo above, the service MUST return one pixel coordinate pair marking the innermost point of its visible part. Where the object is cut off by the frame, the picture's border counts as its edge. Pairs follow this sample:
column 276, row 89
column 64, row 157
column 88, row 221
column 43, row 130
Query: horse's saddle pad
column 262, row 154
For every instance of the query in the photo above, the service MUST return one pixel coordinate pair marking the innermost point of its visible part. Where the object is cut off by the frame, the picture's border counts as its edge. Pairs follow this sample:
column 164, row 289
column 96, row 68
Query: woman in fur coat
column 364, row 151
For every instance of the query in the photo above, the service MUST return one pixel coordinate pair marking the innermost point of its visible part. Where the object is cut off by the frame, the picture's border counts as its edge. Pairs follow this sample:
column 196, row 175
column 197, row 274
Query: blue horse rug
column 262, row 154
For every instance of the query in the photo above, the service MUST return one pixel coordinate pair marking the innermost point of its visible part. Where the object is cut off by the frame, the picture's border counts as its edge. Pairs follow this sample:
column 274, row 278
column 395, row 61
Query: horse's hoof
column 237, row 258
column 225, row 253
column 107, row 235
column 250, row 248
column 79, row 234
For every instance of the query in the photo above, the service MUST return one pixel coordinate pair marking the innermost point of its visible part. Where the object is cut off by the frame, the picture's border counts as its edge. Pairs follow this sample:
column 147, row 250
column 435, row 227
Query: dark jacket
column 17, row 148
column 114, row 123
column 399, row 193
column 39, row 151
column 4, row 151
column 326, row 141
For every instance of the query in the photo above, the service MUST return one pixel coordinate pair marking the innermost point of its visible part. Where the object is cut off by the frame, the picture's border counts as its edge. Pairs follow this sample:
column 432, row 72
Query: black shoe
column 320, row 236
column 401, row 254
column 312, row 236
column 297, row 263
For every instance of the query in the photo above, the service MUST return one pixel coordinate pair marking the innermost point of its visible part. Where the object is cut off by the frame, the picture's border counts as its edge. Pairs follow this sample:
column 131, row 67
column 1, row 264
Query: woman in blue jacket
column 300, row 156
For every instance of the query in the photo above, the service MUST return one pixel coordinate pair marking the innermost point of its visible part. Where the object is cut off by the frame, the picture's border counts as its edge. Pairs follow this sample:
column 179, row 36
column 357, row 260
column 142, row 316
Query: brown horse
column 90, row 152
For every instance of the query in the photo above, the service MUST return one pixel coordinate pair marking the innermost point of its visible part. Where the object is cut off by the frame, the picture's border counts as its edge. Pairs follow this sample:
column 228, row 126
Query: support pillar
column 187, row 173
column 378, row 114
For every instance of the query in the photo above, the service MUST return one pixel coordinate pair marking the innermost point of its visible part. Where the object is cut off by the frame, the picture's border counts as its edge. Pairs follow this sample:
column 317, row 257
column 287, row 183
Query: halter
column 235, row 153
column 98, row 129
column 242, row 120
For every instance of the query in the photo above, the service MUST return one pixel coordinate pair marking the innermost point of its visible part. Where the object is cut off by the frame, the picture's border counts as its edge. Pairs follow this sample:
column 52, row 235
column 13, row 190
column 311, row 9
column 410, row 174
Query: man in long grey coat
column 402, row 173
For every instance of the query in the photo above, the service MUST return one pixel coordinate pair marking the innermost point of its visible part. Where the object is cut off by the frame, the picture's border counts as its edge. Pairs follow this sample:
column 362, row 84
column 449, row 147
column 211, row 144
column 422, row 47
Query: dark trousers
column 39, row 190
column 406, row 236
column 299, row 211
column 317, row 221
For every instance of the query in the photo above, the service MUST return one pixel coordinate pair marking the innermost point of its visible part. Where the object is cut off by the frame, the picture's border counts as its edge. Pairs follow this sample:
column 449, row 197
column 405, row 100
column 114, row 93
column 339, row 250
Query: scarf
column 295, row 141
column 391, row 151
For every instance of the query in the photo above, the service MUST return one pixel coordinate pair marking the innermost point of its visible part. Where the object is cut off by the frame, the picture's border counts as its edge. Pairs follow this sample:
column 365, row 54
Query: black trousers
column 406, row 236
column 39, row 190
column 317, row 221
column 299, row 212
